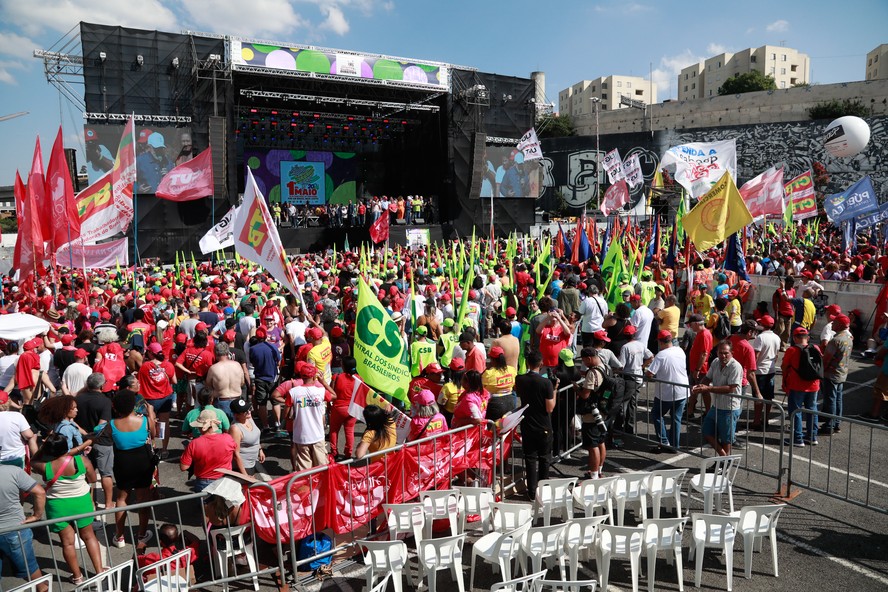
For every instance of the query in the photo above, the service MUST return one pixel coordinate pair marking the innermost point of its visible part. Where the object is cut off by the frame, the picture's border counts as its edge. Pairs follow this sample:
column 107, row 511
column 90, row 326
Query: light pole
column 597, row 102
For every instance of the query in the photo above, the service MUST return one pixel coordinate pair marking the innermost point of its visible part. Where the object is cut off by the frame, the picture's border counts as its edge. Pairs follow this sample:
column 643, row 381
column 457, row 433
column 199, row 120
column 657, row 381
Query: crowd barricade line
column 833, row 473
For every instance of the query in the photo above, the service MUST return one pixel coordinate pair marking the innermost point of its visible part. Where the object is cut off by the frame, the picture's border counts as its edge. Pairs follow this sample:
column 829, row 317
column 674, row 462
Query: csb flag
column 529, row 145
column 256, row 238
column 220, row 236
column 379, row 230
column 380, row 348
column 60, row 191
column 616, row 196
column 190, row 180
column 718, row 214
column 764, row 194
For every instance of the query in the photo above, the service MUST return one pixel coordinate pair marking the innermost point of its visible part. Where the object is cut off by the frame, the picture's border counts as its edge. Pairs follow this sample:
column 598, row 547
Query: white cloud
column 16, row 45
column 778, row 26
column 335, row 20
column 6, row 76
column 666, row 74
column 622, row 8
column 62, row 15
column 231, row 17
column 716, row 49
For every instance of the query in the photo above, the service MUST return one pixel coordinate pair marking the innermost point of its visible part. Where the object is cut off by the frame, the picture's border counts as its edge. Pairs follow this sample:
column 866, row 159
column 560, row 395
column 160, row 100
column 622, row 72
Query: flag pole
column 135, row 216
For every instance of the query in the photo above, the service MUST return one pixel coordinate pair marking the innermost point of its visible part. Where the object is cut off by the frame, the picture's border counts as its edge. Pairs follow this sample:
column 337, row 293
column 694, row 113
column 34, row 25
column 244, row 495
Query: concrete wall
column 776, row 106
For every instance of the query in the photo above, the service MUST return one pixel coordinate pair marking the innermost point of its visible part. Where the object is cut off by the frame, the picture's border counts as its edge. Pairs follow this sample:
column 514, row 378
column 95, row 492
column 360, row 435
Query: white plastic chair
column 33, row 584
column 388, row 558
column 595, row 494
column 713, row 531
column 477, row 501
column 234, row 546
column 666, row 485
column 172, row 574
column 619, row 541
column 631, row 488
column 438, row 554
column 544, row 542
column 716, row 478
column 567, row 585
column 554, row 495
column 404, row 519
column 499, row 550
column 664, row 534
column 119, row 577
column 381, row 585
column 581, row 536
column 756, row 523
column 438, row 505
column 509, row 516
column 528, row 583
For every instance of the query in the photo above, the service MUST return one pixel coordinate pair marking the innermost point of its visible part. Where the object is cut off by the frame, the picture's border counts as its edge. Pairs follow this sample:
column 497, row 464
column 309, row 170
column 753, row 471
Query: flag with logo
column 529, row 145
column 220, row 236
column 857, row 200
column 764, row 194
column 380, row 348
column 632, row 171
column 616, row 196
column 718, row 214
column 65, row 221
column 190, row 180
column 700, row 165
column 613, row 166
column 799, row 193
column 379, row 230
column 614, row 265
column 123, row 174
column 256, row 238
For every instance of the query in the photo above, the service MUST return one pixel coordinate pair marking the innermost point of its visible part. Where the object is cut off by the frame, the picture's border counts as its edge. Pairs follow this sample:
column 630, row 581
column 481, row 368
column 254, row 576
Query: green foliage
column 555, row 126
column 747, row 82
column 8, row 225
column 836, row 108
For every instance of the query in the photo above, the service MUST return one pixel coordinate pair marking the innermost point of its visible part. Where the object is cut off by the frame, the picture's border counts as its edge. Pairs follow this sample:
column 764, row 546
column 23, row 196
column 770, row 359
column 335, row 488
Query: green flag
column 380, row 349
column 614, row 264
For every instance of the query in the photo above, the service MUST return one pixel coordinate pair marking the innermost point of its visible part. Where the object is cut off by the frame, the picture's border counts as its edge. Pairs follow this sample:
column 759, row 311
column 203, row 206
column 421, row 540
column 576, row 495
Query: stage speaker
column 480, row 142
column 219, row 146
column 400, row 221
column 419, row 220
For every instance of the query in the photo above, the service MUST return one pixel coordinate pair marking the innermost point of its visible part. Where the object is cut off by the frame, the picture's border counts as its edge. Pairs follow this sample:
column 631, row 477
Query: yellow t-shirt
column 389, row 441
column 809, row 314
column 669, row 319
column 448, row 396
column 499, row 382
column 321, row 355
column 734, row 313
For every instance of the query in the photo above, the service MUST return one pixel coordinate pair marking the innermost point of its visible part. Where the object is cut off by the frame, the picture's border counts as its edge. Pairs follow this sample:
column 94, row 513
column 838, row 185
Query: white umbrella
column 19, row 325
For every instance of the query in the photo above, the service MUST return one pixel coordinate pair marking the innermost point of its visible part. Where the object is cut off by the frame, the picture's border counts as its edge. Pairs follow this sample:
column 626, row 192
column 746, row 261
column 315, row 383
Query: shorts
column 164, row 405
column 262, row 390
column 766, row 386
column 593, row 435
column 721, row 423
column 19, row 549
column 102, row 458
column 880, row 389
column 309, row 455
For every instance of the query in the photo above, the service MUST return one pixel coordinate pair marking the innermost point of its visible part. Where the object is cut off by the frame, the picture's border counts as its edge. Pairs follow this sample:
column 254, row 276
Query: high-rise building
column 576, row 100
column 877, row 63
column 785, row 65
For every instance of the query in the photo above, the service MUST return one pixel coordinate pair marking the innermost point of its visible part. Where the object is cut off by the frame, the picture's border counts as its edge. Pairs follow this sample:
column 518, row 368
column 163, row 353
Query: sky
column 569, row 40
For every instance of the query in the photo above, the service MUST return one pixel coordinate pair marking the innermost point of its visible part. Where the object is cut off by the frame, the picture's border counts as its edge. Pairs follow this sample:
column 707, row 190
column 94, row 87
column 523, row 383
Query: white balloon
column 846, row 136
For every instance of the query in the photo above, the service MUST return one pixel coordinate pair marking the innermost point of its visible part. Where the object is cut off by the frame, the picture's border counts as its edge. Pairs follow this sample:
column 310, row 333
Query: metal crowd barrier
column 842, row 465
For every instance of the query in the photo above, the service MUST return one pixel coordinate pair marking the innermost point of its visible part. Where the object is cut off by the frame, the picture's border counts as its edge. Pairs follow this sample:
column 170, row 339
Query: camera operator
column 591, row 398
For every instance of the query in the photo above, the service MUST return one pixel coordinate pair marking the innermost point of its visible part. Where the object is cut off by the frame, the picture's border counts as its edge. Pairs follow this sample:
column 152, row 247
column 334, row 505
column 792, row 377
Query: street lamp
column 597, row 102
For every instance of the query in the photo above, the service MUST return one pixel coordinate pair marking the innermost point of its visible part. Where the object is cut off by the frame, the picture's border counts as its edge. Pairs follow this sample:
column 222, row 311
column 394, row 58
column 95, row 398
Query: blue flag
column 670, row 255
column 734, row 258
column 605, row 243
column 567, row 246
column 849, row 236
column 857, row 200
column 653, row 246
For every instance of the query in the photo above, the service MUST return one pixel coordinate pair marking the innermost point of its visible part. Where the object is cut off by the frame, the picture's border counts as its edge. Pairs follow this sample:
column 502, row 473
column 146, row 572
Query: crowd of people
column 223, row 356
column 357, row 213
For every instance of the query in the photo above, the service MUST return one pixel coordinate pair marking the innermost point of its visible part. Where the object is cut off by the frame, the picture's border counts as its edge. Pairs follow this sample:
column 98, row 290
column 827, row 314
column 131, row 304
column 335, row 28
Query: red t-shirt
column 27, row 362
column 209, row 453
column 702, row 345
column 155, row 380
column 743, row 353
column 475, row 360
column 791, row 379
column 344, row 385
column 197, row 360
column 553, row 339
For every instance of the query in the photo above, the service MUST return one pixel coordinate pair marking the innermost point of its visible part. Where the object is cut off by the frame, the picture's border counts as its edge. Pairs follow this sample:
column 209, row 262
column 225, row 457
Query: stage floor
column 316, row 238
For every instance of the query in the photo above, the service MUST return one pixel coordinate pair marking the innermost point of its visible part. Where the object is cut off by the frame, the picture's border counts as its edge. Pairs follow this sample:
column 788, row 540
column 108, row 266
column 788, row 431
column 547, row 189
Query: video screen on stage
column 304, row 177
column 507, row 175
column 158, row 150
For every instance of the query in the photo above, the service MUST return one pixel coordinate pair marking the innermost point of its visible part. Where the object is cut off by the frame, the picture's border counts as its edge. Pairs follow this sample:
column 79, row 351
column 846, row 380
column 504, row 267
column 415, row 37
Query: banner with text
column 699, row 165
column 102, row 256
column 220, row 236
column 303, row 183
column 855, row 201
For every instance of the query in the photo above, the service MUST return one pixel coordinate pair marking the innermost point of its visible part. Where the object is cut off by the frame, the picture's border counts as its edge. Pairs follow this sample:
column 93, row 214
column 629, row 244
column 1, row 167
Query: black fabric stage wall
column 314, row 239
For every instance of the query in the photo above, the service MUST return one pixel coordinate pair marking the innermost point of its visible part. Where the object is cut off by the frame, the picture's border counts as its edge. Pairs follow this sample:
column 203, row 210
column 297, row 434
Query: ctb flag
column 190, row 180
column 616, row 196
column 718, row 214
column 529, row 145
column 379, row 230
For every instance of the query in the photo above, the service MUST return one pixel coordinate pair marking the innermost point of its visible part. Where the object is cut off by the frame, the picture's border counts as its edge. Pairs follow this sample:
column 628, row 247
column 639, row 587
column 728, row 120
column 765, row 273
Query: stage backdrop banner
column 303, row 183
column 102, row 256
column 418, row 238
column 340, row 172
column 309, row 61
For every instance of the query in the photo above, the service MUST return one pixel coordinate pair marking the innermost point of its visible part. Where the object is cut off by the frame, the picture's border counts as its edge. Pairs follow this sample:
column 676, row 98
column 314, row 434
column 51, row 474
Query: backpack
column 810, row 363
column 722, row 329
column 311, row 546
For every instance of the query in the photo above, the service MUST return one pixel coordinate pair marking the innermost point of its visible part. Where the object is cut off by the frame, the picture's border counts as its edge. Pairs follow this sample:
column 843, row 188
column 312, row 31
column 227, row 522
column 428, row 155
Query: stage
column 316, row 238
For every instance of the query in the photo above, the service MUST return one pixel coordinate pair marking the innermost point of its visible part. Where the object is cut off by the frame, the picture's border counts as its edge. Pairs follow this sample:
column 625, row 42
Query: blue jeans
column 225, row 406
column 807, row 400
column 18, row 548
column 676, row 410
column 832, row 400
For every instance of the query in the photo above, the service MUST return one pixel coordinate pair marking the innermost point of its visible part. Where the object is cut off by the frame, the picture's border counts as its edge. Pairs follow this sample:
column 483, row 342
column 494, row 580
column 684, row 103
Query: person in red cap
column 634, row 357
column 832, row 311
column 499, row 380
column 74, row 378
column 836, row 356
column 783, row 310
column 28, row 377
column 426, row 420
column 157, row 377
column 321, row 354
column 767, row 347
column 193, row 364
column 344, row 384
column 802, row 367
column 431, row 379
column 554, row 333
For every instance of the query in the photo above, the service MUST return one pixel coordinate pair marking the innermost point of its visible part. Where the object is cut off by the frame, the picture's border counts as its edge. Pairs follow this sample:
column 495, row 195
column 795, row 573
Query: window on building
column 639, row 93
column 773, row 70
column 793, row 68
column 686, row 88
column 604, row 86
column 710, row 93
column 694, row 85
column 604, row 107
column 793, row 80
column 628, row 85
column 694, row 74
column 753, row 59
column 719, row 64
column 782, row 84
column 876, row 59
column 782, row 71
column 593, row 88
column 686, row 76
column 783, row 59
column 619, row 83
column 774, row 56
column 603, row 96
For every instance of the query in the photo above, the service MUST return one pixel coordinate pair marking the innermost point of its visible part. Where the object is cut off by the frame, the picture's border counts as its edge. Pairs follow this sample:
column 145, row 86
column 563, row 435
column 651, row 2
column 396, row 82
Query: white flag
column 220, row 236
column 529, row 145
column 613, row 165
column 632, row 171
column 699, row 165
column 764, row 194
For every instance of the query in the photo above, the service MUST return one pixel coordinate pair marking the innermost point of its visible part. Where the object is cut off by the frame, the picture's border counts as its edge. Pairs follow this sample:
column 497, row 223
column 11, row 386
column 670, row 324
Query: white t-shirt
column 296, row 331
column 592, row 310
column 669, row 365
column 827, row 334
column 75, row 377
column 633, row 355
column 12, row 424
column 766, row 345
column 642, row 321
column 308, row 414
column 7, row 369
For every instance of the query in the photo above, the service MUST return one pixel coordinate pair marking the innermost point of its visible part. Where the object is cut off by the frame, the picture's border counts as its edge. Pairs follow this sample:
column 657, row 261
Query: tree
column 747, row 82
column 836, row 108
column 555, row 126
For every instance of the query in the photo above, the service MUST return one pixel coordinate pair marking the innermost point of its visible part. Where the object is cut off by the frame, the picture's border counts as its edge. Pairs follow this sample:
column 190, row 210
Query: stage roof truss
column 63, row 67
column 417, row 106
column 333, row 78
column 114, row 117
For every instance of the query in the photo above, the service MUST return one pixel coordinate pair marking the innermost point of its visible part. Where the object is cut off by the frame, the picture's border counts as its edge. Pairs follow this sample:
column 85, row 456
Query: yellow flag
column 719, row 214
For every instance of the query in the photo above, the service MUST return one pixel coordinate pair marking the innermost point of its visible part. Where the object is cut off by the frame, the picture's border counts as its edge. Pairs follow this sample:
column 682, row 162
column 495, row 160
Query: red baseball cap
column 800, row 331
column 664, row 335
column 495, row 352
column 67, row 339
column 181, row 338
column 261, row 333
column 457, row 364
column 81, row 353
column 314, row 334
column 766, row 321
column 602, row 336
column 511, row 312
column 635, row 298
column 200, row 327
column 155, row 348
column 336, row 331
column 229, row 336
column 629, row 330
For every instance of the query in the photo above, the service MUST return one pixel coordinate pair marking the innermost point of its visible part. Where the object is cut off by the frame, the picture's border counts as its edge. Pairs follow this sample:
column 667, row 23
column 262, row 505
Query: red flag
column 190, row 180
column 65, row 221
column 37, row 190
column 558, row 247
column 592, row 233
column 616, row 196
column 379, row 230
column 19, row 191
column 30, row 235
column 881, row 308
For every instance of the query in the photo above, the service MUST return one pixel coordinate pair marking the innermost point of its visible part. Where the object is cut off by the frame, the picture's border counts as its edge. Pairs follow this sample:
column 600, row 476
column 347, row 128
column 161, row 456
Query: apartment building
column 787, row 66
column 576, row 100
column 877, row 63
